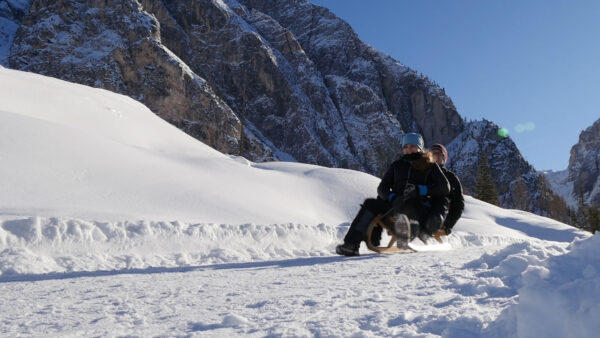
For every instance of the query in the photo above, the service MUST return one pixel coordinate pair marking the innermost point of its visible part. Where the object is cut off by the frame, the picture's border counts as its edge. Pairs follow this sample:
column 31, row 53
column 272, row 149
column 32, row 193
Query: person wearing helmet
column 457, row 201
column 415, row 188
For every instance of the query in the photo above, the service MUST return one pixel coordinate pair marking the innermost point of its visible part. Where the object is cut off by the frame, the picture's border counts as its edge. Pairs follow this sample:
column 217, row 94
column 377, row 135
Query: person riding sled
column 413, row 192
column 456, row 198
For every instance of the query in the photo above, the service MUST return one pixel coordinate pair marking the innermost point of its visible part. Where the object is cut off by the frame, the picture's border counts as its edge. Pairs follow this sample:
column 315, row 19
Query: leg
column 369, row 209
column 358, row 229
column 406, row 223
column 433, row 217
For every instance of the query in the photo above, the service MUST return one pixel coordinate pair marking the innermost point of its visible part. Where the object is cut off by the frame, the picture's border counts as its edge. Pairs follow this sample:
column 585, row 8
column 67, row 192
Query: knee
column 375, row 205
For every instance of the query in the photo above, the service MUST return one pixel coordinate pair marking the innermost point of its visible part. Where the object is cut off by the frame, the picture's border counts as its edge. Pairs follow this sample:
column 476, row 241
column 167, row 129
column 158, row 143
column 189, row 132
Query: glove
column 392, row 196
column 409, row 192
column 423, row 190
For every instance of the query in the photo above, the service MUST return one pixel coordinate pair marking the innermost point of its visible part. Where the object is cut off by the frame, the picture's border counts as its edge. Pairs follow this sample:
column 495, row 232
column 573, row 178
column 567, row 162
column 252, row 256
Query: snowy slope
column 70, row 150
column 113, row 222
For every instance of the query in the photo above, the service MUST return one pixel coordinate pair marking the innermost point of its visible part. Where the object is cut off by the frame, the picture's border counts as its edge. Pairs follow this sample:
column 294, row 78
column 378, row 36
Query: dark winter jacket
column 457, row 201
column 413, row 169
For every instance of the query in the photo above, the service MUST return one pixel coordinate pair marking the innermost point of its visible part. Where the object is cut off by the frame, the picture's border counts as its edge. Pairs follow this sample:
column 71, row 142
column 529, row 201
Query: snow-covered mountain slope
column 156, row 233
column 72, row 150
column 560, row 184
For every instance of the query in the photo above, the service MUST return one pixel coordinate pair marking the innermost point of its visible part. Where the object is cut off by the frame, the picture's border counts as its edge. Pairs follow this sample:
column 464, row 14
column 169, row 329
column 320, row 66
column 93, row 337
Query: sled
column 383, row 221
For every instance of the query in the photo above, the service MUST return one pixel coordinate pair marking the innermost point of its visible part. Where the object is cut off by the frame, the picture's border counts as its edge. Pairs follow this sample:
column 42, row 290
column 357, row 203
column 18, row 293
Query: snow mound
column 555, row 290
column 32, row 246
column 38, row 245
column 560, row 296
column 73, row 151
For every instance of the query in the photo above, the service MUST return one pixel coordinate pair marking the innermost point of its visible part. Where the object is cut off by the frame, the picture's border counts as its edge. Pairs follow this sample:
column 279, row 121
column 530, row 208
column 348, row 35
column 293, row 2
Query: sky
column 532, row 67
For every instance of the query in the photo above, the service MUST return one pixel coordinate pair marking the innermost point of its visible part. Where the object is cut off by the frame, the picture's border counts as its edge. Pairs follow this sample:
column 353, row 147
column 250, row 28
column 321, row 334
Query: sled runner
column 383, row 221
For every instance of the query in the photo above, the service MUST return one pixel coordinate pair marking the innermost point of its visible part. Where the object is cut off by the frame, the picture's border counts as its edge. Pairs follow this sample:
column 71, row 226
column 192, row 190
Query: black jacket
column 403, row 171
column 457, row 201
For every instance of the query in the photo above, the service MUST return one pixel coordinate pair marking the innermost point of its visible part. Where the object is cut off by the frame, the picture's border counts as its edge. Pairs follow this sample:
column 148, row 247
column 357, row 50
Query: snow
column 115, row 223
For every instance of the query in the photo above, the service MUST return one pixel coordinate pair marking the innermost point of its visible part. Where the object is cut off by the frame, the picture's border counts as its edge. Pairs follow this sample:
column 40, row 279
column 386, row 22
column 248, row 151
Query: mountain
column 584, row 165
column 315, row 94
column 115, row 223
column 582, row 176
column 518, row 184
column 268, row 80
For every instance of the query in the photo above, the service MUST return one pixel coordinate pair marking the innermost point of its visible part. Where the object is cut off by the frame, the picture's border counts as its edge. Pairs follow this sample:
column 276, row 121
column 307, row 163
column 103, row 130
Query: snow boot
column 402, row 231
column 347, row 249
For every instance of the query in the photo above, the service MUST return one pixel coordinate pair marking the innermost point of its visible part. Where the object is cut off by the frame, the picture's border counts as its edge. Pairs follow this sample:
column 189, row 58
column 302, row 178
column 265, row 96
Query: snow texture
column 115, row 223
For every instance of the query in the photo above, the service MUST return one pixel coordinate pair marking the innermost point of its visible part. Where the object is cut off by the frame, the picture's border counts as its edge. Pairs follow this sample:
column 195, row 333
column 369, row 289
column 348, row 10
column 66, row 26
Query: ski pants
column 368, row 210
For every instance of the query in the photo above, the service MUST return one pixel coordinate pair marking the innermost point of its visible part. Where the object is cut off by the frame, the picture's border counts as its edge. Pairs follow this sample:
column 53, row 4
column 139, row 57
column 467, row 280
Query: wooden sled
column 383, row 221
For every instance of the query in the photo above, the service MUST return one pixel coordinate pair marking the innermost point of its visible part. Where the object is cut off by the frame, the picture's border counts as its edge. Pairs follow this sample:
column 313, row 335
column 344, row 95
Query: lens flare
column 524, row 127
column 503, row 132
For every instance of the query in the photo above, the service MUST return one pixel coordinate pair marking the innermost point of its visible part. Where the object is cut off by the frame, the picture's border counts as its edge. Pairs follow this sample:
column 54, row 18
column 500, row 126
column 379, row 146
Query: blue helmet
column 413, row 138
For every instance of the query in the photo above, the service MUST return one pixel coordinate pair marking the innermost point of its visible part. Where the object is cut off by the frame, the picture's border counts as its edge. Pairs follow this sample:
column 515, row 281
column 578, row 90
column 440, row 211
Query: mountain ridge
column 268, row 80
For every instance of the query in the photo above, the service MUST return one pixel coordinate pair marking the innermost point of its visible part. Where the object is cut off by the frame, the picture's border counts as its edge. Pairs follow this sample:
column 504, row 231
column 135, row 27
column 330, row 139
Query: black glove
column 410, row 192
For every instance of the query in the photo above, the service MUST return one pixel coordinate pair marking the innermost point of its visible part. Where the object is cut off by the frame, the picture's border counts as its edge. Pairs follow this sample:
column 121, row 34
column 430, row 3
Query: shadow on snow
column 288, row 263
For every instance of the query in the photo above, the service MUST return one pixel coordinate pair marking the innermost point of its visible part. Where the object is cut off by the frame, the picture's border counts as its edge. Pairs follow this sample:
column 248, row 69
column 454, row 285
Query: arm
column 385, row 187
column 438, row 184
column 457, row 201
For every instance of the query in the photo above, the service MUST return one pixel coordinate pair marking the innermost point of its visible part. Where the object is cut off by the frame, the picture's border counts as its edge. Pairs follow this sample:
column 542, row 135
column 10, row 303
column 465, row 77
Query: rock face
column 11, row 14
column 518, row 184
column 584, row 165
column 267, row 79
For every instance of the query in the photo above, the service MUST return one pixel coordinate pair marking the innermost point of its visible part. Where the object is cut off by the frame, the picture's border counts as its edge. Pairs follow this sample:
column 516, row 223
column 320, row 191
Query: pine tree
column 485, row 189
column 587, row 217
column 580, row 217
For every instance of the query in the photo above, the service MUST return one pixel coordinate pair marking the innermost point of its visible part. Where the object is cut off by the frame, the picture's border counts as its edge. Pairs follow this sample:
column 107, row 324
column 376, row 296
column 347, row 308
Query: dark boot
column 347, row 249
column 402, row 231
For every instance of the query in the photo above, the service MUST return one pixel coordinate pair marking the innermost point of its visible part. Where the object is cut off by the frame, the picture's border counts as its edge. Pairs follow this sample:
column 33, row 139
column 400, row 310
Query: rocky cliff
column 11, row 14
column 270, row 80
column 518, row 184
column 584, row 165
column 267, row 79
column 583, row 173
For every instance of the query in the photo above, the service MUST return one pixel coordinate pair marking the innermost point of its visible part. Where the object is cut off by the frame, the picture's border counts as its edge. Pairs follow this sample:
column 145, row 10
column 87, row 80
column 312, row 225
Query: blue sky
column 532, row 67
